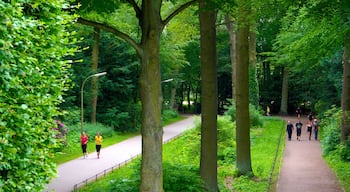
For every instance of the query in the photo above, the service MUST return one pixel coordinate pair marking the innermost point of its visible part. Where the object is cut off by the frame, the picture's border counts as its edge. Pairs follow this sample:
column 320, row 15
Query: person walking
column 98, row 143
column 310, row 116
column 290, row 128
column 298, row 125
column 298, row 112
column 309, row 128
column 316, row 127
column 84, row 139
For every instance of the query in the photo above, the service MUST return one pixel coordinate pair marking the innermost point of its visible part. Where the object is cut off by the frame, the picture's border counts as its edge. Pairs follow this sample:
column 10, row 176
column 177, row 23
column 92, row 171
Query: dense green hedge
column 33, row 75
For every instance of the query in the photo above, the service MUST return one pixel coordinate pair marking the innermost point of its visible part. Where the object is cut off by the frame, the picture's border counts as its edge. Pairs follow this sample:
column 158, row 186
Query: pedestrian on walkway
column 298, row 112
column 298, row 125
column 84, row 139
column 290, row 128
column 309, row 128
column 316, row 127
column 98, row 142
column 310, row 116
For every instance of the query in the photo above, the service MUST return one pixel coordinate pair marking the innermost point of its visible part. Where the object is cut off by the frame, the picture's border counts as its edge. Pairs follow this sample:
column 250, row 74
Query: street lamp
column 167, row 80
column 82, row 96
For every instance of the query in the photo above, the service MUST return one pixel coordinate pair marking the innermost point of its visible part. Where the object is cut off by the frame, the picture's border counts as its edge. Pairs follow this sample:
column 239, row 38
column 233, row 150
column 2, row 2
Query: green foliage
column 331, row 130
column 178, row 177
column 71, row 116
column 341, row 169
column 169, row 114
column 344, row 151
column 255, row 116
column 34, row 41
column 245, row 183
column 336, row 153
column 226, row 141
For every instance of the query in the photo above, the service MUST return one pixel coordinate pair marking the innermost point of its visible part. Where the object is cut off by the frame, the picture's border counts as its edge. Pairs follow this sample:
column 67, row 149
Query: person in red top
column 84, row 140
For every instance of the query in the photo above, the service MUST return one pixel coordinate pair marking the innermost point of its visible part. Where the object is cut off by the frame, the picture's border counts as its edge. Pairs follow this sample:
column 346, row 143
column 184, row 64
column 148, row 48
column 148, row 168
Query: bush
column 169, row 114
column 181, row 178
column 226, row 141
column 330, row 130
column 254, row 114
column 35, row 39
column 344, row 151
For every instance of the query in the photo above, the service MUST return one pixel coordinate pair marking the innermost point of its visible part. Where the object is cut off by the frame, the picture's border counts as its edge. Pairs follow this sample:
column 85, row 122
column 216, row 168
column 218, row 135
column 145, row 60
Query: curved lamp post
column 82, row 96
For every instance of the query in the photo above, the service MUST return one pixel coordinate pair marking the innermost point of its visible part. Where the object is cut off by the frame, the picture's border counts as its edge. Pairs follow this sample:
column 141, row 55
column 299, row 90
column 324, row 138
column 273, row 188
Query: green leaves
column 33, row 76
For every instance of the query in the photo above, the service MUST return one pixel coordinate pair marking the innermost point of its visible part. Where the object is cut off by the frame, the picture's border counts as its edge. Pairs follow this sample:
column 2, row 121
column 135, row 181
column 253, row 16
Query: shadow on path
column 303, row 168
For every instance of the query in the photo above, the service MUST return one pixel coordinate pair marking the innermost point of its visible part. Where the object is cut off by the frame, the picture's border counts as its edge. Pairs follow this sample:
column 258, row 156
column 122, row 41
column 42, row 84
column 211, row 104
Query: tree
column 151, row 25
column 209, row 106
column 35, row 39
column 242, row 90
column 324, row 25
column 231, row 28
column 94, row 67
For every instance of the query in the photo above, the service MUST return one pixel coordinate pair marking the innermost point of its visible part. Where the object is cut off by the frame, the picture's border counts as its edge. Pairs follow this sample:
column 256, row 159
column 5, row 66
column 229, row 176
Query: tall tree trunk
column 208, row 158
column 94, row 80
column 242, row 90
column 151, row 98
column 254, row 84
column 345, row 104
column 284, row 99
column 230, row 25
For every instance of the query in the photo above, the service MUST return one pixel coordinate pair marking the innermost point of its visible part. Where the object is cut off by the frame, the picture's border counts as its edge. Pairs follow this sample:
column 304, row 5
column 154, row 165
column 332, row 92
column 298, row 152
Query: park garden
column 229, row 62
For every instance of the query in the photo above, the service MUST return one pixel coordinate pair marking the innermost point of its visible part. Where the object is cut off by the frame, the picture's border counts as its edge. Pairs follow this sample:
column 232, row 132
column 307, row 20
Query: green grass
column 340, row 168
column 183, row 153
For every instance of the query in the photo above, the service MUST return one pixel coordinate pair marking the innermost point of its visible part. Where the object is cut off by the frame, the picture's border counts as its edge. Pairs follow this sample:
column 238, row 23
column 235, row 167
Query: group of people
column 312, row 125
column 84, row 139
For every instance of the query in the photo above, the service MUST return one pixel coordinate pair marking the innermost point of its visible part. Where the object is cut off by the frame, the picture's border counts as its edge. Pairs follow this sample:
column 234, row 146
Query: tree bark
column 284, row 99
column 208, row 158
column 151, row 98
column 94, row 80
column 345, row 104
column 254, row 87
column 230, row 25
column 242, row 90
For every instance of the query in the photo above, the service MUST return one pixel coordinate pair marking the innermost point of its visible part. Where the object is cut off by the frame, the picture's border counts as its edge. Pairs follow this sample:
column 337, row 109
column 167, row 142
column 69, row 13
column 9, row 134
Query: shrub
column 330, row 130
column 178, row 177
column 255, row 115
column 169, row 114
column 35, row 39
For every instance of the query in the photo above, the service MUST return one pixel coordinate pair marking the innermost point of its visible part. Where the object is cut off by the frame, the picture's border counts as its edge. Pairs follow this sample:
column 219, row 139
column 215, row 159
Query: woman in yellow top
column 98, row 142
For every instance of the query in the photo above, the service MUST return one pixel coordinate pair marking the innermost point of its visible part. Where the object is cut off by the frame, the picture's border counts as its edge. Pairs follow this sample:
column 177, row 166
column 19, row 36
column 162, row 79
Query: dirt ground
column 303, row 168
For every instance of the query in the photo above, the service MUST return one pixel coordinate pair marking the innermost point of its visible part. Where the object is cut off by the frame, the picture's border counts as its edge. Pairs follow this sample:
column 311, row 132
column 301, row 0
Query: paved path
column 80, row 169
column 303, row 168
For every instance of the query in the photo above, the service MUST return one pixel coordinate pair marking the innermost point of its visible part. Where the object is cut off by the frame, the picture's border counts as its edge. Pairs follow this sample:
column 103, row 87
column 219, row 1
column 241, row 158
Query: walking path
column 303, row 168
column 78, row 170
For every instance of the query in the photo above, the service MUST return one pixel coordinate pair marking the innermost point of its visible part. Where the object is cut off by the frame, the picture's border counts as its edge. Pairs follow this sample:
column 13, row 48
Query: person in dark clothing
column 298, row 112
column 309, row 128
column 310, row 116
column 298, row 125
column 316, row 127
column 290, row 130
